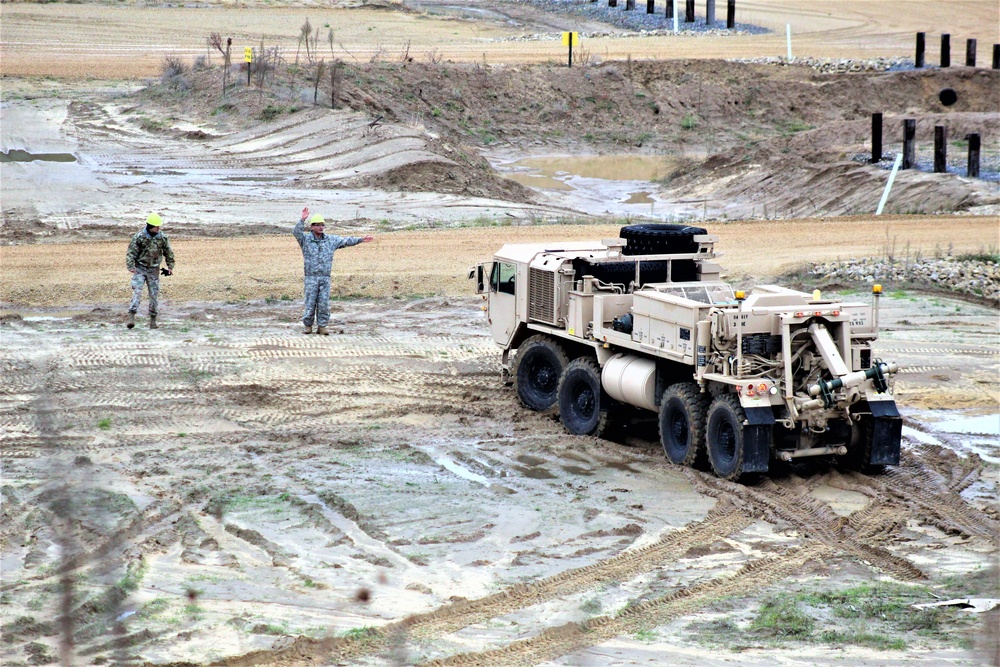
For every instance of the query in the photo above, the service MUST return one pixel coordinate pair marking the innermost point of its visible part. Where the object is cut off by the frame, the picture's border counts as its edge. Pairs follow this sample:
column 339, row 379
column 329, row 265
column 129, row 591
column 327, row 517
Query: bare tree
column 320, row 68
column 304, row 32
column 335, row 78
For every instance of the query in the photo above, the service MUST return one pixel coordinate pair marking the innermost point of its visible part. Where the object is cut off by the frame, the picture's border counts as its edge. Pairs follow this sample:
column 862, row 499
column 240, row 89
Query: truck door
column 502, row 305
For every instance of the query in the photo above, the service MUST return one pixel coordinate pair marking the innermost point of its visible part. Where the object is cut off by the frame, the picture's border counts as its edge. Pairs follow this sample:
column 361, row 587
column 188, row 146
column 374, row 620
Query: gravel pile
column 976, row 277
column 639, row 21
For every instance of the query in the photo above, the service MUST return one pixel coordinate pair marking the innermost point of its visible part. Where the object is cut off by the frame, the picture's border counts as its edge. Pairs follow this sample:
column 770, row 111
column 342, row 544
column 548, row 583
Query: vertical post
column 918, row 61
column 570, row 40
column 730, row 14
column 629, row 5
column 612, row 3
column 669, row 12
column 909, row 143
column 973, row 139
column 970, row 53
column 876, row 138
column 676, row 28
column 689, row 11
column 946, row 50
column 650, row 6
column 885, row 197
column 940, row 149
column 788, row 38
column 996, row 56
column 709, row 12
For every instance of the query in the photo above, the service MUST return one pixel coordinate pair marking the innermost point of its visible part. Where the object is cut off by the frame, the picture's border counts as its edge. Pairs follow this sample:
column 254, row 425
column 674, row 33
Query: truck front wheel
column 725, row 436
column 583, row 405
column 539, row 364
column 682, row 423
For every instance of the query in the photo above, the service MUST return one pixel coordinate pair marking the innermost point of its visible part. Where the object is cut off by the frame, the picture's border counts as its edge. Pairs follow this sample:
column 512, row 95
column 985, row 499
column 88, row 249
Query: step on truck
column 737, row 380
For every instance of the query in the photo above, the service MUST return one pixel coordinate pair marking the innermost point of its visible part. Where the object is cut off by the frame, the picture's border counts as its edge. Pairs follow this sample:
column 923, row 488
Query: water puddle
column 17, row 155
column 535, row 473
column 608, row 184
column 465, row 473
column 603, row 167
column 256, row 179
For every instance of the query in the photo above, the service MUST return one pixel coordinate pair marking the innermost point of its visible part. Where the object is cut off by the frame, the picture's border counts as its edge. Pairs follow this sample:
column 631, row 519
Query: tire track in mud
column 814, row 519
column 561, row 641
column 925, row 494
column 721, row 522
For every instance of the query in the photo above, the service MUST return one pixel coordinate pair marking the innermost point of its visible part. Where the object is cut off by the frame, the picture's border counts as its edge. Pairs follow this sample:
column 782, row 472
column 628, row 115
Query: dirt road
column 427, row 263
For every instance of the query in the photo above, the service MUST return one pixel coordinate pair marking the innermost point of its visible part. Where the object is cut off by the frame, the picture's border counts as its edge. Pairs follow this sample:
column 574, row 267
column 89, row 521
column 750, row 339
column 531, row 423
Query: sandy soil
column 227, row 491
column 130, row 39
column 435, row 262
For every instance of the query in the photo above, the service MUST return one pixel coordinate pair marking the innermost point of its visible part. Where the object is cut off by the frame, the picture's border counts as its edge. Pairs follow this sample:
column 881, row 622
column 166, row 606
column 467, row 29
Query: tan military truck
column 737, row 380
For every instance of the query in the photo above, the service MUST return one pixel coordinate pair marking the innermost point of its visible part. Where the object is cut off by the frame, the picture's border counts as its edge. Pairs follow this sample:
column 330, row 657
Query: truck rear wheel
column 539, row 365
column 583, row 405
column 725, row 436
column 859, row 454
column 682, row 423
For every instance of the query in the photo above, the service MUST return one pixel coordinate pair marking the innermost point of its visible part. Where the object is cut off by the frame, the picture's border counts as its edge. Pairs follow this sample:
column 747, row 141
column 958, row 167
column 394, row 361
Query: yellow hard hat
column 154, row 220
column 317, row 219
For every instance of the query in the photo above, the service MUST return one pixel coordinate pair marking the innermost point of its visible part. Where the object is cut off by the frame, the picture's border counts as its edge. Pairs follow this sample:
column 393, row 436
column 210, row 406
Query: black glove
column 166, row 272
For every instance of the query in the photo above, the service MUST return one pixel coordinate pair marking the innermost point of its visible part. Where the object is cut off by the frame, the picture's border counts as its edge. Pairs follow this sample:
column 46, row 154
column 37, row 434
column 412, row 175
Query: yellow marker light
column 876, row 289
column 740, row 295
column 816, row 294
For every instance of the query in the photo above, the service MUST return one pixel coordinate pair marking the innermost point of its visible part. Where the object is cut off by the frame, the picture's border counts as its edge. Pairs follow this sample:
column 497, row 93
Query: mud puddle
column 610, row 184
column 17, row 155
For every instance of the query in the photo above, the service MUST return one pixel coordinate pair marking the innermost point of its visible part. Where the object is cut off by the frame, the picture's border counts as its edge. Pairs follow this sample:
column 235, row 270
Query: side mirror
column 472, row 272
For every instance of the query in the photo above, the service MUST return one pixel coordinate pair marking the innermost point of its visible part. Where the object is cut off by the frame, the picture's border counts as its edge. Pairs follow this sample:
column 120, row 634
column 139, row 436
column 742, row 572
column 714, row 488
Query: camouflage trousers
column 317, row 301
column 150, row 278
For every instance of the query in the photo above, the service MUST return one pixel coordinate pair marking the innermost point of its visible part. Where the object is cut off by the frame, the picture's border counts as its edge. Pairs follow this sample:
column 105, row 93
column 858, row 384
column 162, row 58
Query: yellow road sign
column 248, row 54
column 567, row 36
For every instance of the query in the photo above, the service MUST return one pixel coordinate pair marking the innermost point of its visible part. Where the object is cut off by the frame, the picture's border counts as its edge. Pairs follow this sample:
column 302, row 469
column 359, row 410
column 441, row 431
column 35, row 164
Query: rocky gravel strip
column 977, row 277
column 837, row 65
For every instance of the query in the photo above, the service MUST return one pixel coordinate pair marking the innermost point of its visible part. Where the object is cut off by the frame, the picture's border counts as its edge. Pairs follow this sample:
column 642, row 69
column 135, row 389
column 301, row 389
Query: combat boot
column 152, row 322
column 130, row 320
column 322, row 331
column 308, row 330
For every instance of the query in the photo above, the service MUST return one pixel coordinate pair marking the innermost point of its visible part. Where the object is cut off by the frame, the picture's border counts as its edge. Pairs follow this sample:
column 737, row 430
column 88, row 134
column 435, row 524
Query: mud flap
column 757, row 435
column 886, row 435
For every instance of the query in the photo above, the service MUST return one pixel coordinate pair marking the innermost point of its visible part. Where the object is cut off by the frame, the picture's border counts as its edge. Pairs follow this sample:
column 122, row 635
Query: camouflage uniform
column 317, row 254
column 144, row 255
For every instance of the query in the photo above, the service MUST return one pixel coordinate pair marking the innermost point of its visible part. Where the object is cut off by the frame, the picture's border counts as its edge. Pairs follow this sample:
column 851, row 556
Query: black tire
column 859, row 453
column 583, row 405
column 659, row 238
column 683, row 411
column 539, row 364
column 724, row 436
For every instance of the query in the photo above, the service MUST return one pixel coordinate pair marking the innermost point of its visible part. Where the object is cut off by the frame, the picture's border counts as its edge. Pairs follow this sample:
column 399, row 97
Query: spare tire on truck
column 660, row 238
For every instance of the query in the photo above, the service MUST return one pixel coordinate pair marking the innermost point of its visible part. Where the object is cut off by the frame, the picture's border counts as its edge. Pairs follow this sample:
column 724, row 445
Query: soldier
column 317, row 254
column 148, row 248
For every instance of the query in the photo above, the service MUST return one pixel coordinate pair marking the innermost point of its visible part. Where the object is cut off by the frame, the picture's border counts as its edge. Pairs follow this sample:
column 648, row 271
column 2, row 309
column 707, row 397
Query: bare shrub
column 434, row 57
column 200, row 63
column 172, row 66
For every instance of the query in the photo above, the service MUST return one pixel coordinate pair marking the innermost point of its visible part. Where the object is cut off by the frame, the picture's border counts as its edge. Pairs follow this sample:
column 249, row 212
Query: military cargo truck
column 737, row 380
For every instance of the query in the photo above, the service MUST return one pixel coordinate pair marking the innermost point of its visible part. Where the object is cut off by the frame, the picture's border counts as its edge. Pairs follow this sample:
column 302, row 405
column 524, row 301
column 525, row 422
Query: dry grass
column 435, row 262
column 105, row 42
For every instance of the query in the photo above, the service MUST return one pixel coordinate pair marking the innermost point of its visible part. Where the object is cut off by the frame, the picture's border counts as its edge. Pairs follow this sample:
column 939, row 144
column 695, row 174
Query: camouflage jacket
column 147, row 251
column 317, row 253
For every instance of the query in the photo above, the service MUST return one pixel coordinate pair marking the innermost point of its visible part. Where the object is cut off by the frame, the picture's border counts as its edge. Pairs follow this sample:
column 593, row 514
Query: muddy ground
column 227, row 491
column 230, row 487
